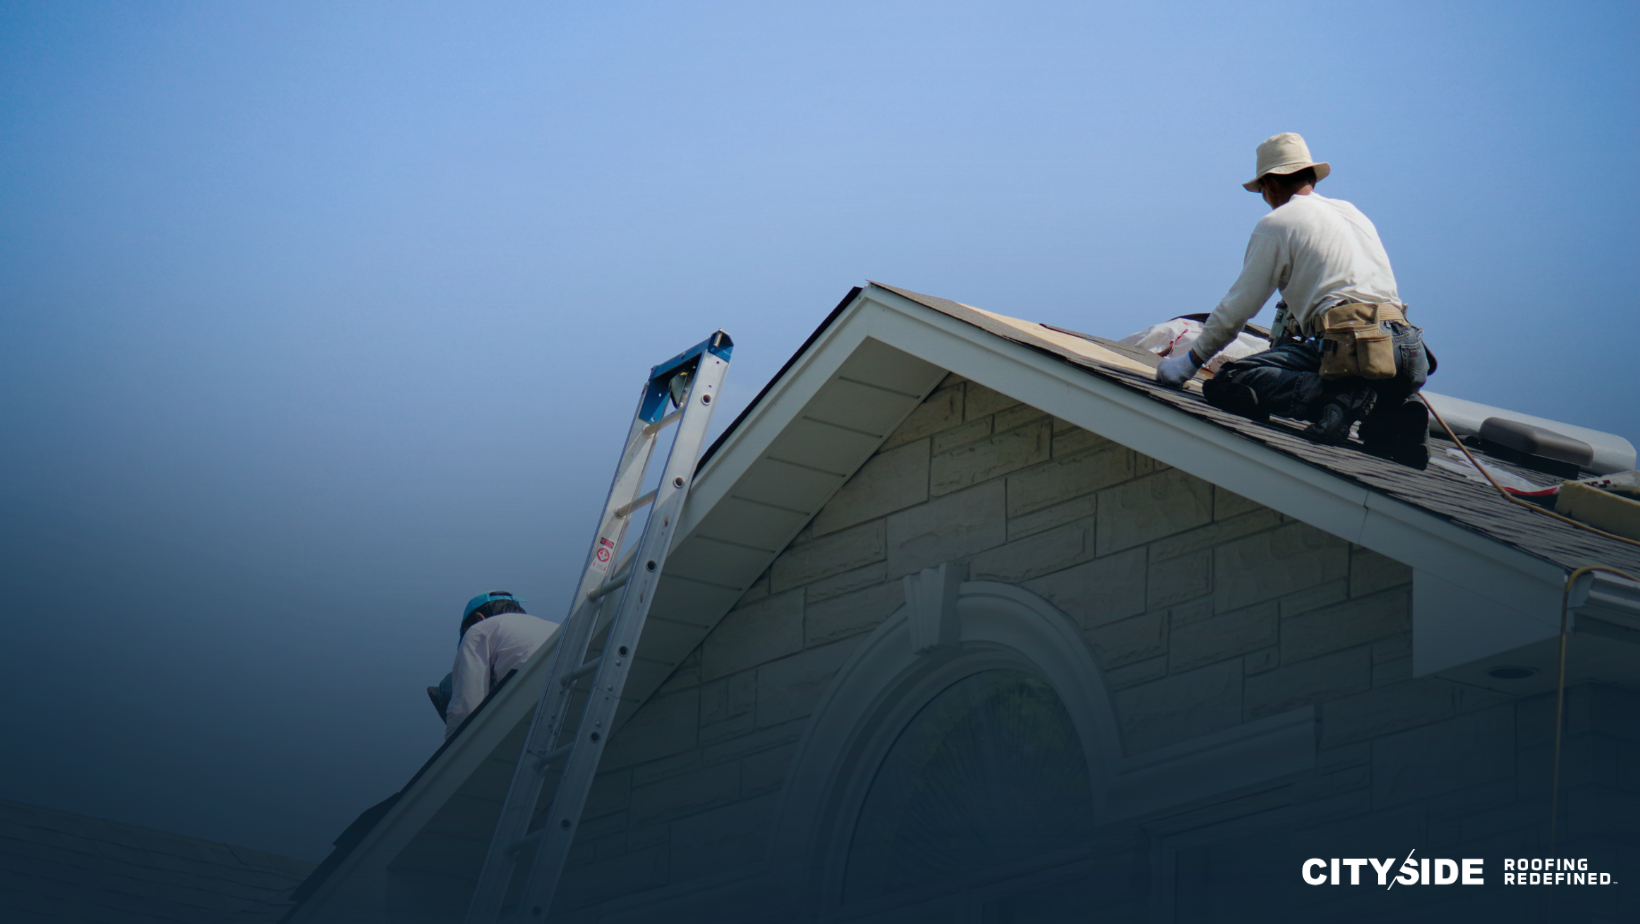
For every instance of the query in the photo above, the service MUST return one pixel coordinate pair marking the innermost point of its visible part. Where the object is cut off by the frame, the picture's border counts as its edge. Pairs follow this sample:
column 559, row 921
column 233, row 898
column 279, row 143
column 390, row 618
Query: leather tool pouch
column 1356, row 341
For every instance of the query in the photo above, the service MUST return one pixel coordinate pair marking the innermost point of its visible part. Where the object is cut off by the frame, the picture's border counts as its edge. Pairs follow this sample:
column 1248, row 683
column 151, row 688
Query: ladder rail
column 598, row 717
column 575, row 635
column 632, row 583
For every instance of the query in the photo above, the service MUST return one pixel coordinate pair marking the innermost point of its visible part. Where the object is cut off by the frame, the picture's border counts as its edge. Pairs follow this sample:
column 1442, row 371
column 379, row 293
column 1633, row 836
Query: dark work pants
column 1288, row 382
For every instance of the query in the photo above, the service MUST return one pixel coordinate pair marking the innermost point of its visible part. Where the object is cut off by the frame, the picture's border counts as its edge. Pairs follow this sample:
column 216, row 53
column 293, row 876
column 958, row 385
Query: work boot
column 1399, row 433
column 1227, row 395
column 1342, row 410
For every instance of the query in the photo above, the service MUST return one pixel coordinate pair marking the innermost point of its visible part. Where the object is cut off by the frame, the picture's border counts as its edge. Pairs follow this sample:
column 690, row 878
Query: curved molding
column 885, row 683
column 891, row 676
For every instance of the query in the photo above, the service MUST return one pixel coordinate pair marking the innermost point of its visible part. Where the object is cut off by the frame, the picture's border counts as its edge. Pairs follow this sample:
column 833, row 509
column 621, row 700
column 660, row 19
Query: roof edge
column 745, row 412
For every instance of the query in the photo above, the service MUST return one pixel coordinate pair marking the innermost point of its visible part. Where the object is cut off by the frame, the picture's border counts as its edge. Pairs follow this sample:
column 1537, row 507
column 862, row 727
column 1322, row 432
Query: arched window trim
column 883, row 686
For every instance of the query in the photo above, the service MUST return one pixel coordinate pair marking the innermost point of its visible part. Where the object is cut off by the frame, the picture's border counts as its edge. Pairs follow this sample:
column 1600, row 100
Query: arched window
column 989, row 772
column 955, row 783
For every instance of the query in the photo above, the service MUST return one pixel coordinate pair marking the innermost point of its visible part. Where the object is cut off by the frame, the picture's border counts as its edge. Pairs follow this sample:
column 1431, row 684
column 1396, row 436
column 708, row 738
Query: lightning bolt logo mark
column 1403, row 865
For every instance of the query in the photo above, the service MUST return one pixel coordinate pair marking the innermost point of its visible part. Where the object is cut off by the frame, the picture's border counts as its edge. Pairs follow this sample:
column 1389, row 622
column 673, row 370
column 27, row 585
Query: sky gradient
column 316, row 320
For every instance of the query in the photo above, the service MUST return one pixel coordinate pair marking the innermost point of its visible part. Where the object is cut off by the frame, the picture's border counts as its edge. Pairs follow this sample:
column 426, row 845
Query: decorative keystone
column 931, row 599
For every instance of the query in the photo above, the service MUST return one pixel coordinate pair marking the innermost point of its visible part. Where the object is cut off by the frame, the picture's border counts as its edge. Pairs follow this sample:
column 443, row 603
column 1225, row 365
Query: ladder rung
column 625, row 510
column 610, row 586
column 553, row 756
column 542, row 758
column 583, row 670
column 662, row 424
column 525, row 841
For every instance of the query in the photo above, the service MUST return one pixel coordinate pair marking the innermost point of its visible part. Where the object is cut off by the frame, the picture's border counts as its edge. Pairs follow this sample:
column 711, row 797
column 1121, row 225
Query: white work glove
column 1177, row 370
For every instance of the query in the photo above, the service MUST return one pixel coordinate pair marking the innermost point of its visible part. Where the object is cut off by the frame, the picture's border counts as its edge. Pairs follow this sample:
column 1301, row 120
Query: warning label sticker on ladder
column 600, row 558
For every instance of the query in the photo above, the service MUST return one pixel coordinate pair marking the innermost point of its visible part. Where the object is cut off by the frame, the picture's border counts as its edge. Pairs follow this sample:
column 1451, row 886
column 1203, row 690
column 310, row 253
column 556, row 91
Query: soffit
column 768, row 478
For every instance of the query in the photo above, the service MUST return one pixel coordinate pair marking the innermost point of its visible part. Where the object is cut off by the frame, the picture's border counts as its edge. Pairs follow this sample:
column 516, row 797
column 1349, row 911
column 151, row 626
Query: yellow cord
column 1560, row 714
column 1560, row 691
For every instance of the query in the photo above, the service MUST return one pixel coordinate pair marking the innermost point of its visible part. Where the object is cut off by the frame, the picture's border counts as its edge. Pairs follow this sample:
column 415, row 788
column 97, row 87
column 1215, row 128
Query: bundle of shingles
column 1609, row 502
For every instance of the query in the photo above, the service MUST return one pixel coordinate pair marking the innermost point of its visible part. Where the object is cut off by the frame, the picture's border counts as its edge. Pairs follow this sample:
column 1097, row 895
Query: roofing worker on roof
column 1341, row 349
column 497, row 637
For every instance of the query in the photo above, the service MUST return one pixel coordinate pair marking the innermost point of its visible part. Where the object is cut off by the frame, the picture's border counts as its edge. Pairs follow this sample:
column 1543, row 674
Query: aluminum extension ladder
column 689, row 382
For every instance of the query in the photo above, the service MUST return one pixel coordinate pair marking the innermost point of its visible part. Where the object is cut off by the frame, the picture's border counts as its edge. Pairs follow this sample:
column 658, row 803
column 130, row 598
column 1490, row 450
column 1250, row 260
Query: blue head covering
column 482, row 599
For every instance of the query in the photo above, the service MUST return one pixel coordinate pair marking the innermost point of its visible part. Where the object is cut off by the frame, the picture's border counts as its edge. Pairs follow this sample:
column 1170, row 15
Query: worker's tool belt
column 1356, row 341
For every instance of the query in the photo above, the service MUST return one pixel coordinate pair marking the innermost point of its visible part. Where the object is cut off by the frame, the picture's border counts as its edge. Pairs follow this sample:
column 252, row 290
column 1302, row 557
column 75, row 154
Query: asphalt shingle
column 1474, row 506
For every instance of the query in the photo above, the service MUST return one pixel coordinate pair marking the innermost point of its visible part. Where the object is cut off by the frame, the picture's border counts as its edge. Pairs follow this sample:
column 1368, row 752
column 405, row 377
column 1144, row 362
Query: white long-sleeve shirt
column 1317, row 251
column 489, row 651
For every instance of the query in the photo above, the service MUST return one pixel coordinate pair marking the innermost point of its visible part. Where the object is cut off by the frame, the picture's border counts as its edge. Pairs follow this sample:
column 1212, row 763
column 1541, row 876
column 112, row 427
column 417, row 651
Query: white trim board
column 1489, row 569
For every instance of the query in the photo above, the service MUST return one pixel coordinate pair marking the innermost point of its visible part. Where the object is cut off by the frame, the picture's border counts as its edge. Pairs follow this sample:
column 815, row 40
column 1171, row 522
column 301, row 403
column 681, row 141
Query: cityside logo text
column 1449, row 872
column 1413, row 872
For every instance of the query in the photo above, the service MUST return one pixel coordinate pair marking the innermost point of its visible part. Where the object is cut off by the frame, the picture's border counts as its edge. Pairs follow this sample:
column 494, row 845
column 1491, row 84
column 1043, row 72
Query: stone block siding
column 1205, row 610
column 1465, row 775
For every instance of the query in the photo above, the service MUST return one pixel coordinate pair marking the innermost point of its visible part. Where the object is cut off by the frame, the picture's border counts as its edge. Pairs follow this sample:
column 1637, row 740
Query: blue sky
column 317, row 319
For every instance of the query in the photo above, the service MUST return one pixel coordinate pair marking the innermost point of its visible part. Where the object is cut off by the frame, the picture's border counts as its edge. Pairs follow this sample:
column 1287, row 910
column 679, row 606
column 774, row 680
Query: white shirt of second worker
column 490, row 650
column 1317, row 251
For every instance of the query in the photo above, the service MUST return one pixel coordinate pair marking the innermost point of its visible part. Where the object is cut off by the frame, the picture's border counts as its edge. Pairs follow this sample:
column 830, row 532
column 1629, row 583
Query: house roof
column 857, row 378
column 1466, row 503
column 59, row 866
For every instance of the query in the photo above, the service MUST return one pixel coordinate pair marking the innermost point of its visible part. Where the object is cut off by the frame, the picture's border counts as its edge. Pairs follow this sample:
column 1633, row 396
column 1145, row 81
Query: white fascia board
column 767, row 419
column 1454, row 625
column 1390, row 527
column 1468, row 603
column 1603, row 595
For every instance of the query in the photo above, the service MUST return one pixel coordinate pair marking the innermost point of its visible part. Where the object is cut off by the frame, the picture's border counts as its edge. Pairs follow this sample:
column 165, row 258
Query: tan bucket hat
column 1284, row 153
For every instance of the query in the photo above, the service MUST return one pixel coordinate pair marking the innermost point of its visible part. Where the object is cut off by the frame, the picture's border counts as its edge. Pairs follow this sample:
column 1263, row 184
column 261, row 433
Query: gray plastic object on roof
column 1612, row 453
column 1536, row 442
